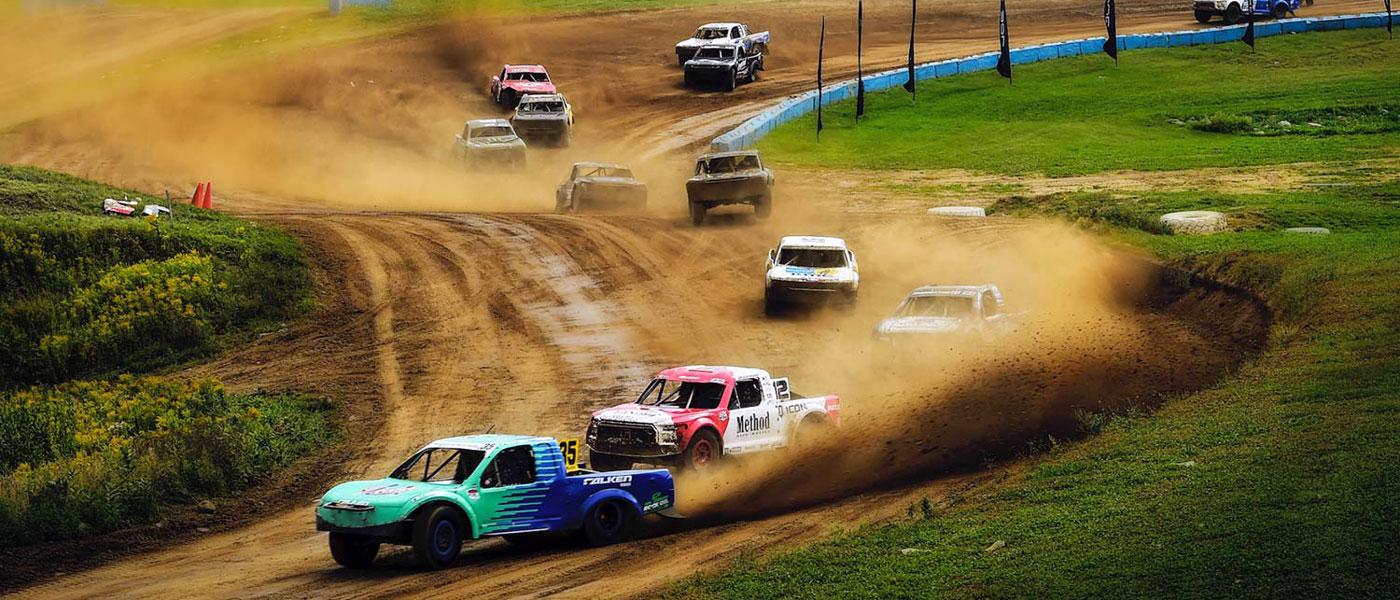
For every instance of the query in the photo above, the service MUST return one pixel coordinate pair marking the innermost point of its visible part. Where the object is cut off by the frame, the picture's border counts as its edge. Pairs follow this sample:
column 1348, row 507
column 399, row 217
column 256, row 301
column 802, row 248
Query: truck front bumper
column 397, row 533
column 811, row 292
column 634, row 440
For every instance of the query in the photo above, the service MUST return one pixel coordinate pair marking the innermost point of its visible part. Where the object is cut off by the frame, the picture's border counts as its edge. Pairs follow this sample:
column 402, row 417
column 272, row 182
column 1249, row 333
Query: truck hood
column 613, row 181
column 530, row 87
column 792, row 273
column 650, row 415
column 697, row 42
column 504, row 142
column 721, row 177
column 921, row 325
column 379, row 493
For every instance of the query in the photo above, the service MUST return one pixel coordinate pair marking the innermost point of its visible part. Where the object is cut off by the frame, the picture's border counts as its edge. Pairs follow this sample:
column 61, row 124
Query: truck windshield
column 492, row 131
column 715, row 53
column 606, row 172
column 519, row 76
column 439, row 465
column 541, row 107
column 682, row 394
column 729, row 164
column 812, row 257
column 711, row 34
column 937, row 306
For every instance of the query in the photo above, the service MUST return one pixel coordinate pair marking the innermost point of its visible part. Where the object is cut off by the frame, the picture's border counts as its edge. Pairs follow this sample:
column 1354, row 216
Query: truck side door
column 513, row 490
column 755, row 420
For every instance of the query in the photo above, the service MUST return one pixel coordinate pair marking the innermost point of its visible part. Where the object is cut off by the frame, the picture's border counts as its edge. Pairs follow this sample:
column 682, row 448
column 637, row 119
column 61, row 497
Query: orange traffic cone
column 208, row 203
column 198, row 198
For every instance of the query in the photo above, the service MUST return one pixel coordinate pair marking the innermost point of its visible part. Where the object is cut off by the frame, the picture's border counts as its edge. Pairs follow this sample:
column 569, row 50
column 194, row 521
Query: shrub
column 94, row 456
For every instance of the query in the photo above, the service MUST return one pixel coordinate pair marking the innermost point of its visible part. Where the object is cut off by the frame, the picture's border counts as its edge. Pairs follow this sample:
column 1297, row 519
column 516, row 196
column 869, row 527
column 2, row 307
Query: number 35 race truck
column 468, row 487
column 692, row 416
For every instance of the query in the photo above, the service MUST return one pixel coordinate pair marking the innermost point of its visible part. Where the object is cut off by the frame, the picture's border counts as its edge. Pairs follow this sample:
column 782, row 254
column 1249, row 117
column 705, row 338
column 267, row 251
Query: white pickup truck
column 733, row 34
column 810, row 269
column 947, row 309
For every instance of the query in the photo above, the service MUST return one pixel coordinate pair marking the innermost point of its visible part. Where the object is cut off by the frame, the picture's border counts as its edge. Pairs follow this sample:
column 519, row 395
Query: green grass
column 87, row 295
column 1278, row 482
column 89, row 457
column 1160, row 109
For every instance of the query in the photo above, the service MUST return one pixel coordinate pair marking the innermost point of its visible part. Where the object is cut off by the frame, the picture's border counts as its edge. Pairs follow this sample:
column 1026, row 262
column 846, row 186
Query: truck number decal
column 569, row 448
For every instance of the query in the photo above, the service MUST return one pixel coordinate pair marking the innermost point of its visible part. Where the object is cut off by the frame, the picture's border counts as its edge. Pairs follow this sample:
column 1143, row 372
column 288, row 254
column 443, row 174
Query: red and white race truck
column 690, row 417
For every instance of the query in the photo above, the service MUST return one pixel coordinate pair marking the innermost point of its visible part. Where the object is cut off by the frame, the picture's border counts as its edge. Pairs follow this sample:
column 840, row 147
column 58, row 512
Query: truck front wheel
column 733, row 80
column 1203, row 16
column 703, row 452
column 352, row 551
column 697, row 213
column 437, row 536
column 1280, row 11
column 608, row 522
column 763, row 207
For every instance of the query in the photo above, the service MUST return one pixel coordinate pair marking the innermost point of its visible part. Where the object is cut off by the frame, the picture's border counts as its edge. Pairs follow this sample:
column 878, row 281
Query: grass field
column 1179, row 108
column 1278, row 482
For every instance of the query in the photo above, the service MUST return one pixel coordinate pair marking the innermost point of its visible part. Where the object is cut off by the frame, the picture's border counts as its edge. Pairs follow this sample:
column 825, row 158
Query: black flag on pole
column 1249, row 29
column 860, row 83
column 821, row 47
column 1388, row 20
column 913, row 17
column 1110, row 20
column 1004, row 61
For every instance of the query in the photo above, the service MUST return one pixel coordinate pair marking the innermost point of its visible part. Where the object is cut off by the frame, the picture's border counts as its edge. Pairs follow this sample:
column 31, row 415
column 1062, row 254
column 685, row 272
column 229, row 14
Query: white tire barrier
column 1194, row 221
column 958, row 211
column 1310, row 230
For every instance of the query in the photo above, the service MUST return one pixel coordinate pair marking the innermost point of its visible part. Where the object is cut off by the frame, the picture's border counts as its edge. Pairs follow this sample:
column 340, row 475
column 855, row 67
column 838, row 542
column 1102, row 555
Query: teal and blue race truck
column 467, row 487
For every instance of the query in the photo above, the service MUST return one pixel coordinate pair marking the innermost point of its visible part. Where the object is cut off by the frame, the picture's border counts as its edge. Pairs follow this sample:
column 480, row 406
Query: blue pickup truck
column 468, row 487
column 1232, row 11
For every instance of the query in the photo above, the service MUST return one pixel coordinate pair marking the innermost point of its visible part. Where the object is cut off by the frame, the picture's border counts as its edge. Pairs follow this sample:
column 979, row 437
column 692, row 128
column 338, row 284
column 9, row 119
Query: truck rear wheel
column 608, row 462
column 437, row 536
column 1280, row 11
column 608, row 522
column 1232, row 14
column 703, row 452
column 1203, row 16
column 352, row 551
column 697, row 213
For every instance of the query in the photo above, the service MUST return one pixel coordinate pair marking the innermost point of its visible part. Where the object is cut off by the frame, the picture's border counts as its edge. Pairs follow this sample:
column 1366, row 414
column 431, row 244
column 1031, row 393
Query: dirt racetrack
column 449, row 306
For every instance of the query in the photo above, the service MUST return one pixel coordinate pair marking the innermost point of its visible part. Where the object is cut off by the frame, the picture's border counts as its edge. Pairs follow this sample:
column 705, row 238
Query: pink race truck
column 690, row 417
column 515, row 81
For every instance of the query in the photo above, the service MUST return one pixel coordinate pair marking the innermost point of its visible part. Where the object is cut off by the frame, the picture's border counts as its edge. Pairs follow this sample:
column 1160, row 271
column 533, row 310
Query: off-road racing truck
column 810, row 269
column 1232, row 11
column 485, row 142
column 721, row 178
column 514, row 81
column 723, row 65
column 946, row 309
column 725, row 34
column 472, row 486
column 690, row 417
column 544, row 117
column 600, row 186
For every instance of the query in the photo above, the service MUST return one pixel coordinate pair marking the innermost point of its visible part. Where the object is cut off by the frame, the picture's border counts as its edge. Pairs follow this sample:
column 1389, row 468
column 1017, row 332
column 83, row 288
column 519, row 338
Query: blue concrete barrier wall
column 749, row 132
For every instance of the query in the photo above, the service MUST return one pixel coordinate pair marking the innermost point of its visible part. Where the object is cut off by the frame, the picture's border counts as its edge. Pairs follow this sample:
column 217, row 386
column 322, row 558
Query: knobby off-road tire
column 1280, row 11
column 352, row 551
column 733, row 80
column 608, row 522
column 1232, row 14
column 697, row 213
column 704, row 452
column 599, row 461
column 437, row 536
column 771, row 306
column 763, row 207
column 1203, row 16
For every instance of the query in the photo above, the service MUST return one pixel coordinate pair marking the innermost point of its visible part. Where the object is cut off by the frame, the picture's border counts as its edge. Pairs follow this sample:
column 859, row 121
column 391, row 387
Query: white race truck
column 810, row 269
column 692, row 416
column 947, row 309
column 729, row 34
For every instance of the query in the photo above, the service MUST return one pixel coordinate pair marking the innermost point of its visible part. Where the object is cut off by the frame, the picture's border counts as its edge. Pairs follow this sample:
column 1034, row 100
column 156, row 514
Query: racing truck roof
column 720, row 25
column 727, row 154
column 812, row 241
column 951, row 290
column 485, row 441
column 599, row 165
column 527, row 98
column 707, row 373
column 524, row 68
column 474, row 123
